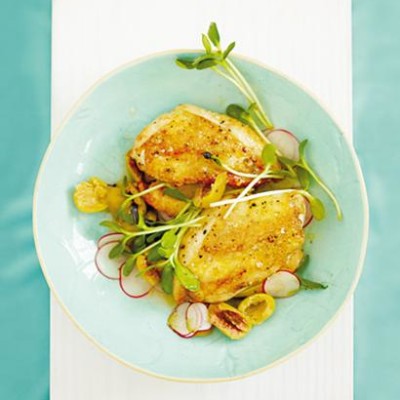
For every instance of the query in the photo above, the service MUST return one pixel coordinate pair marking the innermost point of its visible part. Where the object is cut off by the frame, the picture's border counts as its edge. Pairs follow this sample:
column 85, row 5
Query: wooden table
column 310, row 41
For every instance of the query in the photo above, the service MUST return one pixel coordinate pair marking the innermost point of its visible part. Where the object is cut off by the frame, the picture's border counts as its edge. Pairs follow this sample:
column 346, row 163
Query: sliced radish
column 203, row 311
column 134, row 286
column 177, row 321
column 108, row 267
column 194, row 317
column 282, row 284
column 109, row 237
column 197, row 318
column 308, row 217
column 286, row 143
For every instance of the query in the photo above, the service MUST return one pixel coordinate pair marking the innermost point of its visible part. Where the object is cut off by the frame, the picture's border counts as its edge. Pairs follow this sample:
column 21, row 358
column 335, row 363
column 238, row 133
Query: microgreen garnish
column 269, row 158
column 247, row 117
column 207, row 155
column 129, row 199
column 307, row 284
column 116, row 251
column 176, row 194
column 218, row 60
column 317, row 207
column 167, row 278
column 158, row 242
column 305, row 166
column 254, row 116
column 131, row 260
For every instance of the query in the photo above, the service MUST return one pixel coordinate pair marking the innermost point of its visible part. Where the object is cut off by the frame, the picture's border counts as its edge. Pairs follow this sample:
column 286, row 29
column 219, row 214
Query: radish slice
column 308, row 217
column 197, row 318
column 202, row 310
column 286, row 143
column 194, row 317
column 177, row 321
column 108, row 267
column 282, row 284
column 109, row 237
column 134, row 286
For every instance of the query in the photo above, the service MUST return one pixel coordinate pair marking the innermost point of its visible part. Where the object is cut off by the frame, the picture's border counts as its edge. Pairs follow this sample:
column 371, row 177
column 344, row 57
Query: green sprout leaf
column 238, row 112
column 228, row 50
column 206, row 43
column 153, row 255
column 153, row 237
column 116, row 251
column 269, row 154
column 125, row 215
column 310, row 285
column 204, row 57
column 112, row 226
column 167, row 278
column 165, row 252
column 304, row 178
column 304, row 263
column 207, row 63
column 176, row 194
column 130, row 263
column 168, row 240
column 302, row 148
column 138, row 244
column 213, row 34
column 287, row 161
column 317, row 208
column 183, row 63
column 186, row 277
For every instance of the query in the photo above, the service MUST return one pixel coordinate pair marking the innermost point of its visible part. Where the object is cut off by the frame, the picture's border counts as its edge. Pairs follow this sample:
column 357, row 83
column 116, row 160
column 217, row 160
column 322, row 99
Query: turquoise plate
column 92, row 142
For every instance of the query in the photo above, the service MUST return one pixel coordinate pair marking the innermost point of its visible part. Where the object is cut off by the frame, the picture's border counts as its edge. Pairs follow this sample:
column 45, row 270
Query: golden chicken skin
column 171, row 148
column 259, row 238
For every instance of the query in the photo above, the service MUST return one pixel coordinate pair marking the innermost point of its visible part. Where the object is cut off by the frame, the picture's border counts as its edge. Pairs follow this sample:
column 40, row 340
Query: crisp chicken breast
column 259, row 238
column 171, row 148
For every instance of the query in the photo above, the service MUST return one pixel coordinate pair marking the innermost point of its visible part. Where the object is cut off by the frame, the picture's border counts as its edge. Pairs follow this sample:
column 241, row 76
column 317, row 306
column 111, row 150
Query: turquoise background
column 24, row 134
column 24, row 111
column 376, row 58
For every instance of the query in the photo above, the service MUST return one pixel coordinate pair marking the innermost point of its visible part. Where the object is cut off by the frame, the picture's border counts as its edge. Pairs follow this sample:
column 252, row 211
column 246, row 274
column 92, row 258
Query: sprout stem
column 164, row 228
column 142, row 193
column 260, row 112
column 247, row 189
column 252, row 196
column 325, row 189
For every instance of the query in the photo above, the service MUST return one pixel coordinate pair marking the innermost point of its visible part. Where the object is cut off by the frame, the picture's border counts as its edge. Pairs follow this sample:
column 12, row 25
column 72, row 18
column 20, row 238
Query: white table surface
column 310, row 41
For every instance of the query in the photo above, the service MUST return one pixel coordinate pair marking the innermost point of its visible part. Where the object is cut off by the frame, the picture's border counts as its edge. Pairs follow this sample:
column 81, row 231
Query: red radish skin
column 133, row 286
column 107, row 267
column 286, row 143
column 282, row 284
column 109, row 237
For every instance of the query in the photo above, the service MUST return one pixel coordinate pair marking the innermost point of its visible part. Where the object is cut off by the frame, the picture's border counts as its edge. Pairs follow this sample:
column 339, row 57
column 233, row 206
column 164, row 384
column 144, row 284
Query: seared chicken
column 171, row 148
column 260, row 237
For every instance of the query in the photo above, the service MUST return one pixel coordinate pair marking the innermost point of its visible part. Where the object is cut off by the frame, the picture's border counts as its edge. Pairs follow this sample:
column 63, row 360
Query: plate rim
column 364, row 196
